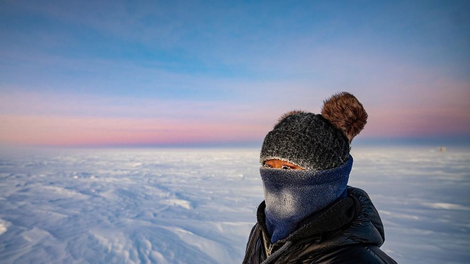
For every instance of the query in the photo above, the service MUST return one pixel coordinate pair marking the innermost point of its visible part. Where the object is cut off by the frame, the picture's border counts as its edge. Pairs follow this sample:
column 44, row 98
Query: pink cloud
column 58, row 130
column 436, row 107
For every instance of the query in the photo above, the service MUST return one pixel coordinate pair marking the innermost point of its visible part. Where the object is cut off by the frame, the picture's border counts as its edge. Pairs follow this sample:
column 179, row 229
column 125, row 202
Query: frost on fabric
column 282, row 204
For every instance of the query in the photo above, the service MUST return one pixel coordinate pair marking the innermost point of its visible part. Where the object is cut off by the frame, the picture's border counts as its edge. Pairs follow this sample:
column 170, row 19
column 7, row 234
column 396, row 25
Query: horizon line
column 461, row 140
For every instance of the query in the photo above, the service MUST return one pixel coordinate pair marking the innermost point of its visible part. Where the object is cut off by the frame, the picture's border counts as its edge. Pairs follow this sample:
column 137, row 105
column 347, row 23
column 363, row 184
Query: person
column 310, row 214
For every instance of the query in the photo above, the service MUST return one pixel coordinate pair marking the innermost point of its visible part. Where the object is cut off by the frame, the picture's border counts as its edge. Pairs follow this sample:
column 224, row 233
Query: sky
column 182, row 73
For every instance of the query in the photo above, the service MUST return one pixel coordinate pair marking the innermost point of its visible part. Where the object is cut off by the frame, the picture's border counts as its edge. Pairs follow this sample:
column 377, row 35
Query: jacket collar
column 355, row 216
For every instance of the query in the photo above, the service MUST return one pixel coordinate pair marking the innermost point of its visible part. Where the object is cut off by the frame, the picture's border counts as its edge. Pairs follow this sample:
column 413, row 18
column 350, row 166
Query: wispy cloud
column 76, row 131
column 235, row 65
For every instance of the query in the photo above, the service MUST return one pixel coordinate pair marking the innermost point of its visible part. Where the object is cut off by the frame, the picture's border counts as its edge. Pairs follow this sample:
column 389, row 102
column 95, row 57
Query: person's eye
column 284, row 167
column 267, row 166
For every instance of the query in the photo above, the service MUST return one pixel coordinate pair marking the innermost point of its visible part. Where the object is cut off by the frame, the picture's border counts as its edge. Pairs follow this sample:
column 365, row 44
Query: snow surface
column 198, row 205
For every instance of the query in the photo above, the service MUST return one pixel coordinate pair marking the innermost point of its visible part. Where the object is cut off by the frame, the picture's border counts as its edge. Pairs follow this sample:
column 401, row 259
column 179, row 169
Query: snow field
column 198, row 205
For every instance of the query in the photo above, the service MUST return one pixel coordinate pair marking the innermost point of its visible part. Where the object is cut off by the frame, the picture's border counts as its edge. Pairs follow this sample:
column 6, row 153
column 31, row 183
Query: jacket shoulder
column 253, row 236
column 355, row 254
column 253, row 251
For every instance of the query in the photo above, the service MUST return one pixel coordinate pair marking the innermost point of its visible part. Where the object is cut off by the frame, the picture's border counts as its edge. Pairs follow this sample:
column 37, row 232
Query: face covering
column 293, row 195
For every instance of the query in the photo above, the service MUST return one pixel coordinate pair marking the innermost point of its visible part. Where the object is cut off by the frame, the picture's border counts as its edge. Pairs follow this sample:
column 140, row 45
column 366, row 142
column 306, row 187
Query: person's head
column 306, row 162
column 307, row 141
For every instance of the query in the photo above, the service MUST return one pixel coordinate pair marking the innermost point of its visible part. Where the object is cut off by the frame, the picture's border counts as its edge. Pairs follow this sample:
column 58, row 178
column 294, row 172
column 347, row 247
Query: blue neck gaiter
column 292, row 195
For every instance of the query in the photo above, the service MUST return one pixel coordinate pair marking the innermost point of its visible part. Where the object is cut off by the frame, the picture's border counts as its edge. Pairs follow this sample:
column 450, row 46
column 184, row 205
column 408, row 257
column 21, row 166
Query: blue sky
column 227, row 67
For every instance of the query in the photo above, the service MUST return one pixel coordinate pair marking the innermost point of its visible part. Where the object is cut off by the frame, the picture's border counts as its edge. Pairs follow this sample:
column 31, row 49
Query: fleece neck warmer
column 293, row 195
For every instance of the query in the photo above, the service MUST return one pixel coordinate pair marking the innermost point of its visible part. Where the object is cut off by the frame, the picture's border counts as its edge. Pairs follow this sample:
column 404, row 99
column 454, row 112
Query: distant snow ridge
column 3, row 226
column 198, row 206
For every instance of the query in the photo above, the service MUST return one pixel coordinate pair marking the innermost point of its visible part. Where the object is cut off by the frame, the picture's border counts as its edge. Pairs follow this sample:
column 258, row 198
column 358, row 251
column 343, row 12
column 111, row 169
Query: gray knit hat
column 313, row 141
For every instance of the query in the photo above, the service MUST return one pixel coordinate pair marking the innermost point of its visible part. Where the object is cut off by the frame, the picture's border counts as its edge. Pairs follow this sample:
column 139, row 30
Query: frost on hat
column 314, row 141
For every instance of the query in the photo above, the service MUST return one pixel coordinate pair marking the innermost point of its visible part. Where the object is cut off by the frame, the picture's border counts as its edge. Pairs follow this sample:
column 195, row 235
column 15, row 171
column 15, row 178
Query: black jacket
column 347, row 231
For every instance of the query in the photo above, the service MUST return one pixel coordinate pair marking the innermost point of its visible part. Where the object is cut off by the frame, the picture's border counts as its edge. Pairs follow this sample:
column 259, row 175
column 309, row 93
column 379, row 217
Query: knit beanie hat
column 316, row 141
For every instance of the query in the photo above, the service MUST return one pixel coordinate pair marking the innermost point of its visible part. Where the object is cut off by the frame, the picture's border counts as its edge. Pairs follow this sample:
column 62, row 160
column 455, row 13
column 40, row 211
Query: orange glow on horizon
column 85, row 131
column 74, row 131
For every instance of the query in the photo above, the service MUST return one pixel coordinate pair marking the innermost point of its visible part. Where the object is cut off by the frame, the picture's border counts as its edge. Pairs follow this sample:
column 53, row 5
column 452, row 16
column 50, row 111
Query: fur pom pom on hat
column 314, row 141
column 345, row 112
